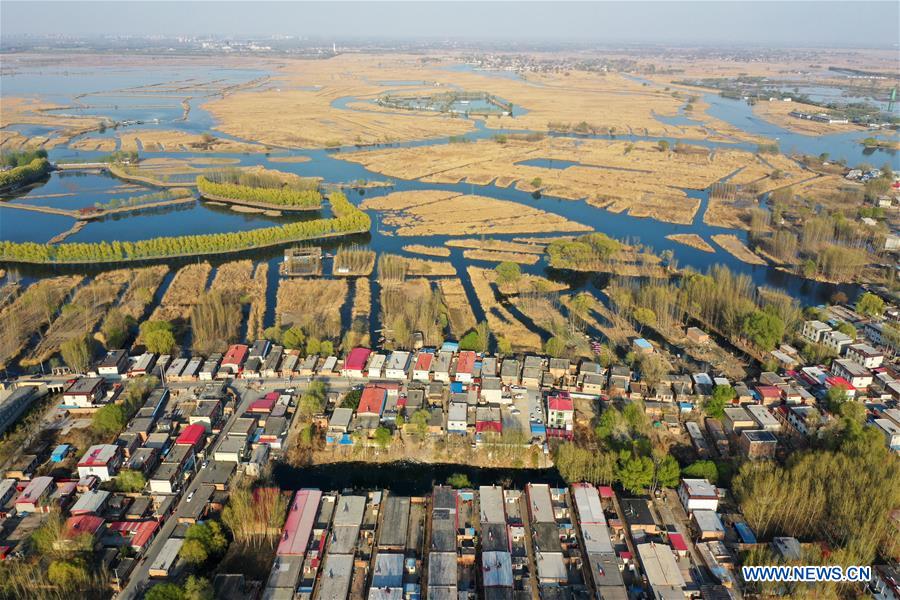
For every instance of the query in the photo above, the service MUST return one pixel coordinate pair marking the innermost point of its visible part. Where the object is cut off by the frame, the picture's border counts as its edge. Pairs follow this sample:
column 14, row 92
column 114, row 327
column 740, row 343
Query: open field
column 182, row 293
column 427, row 250
column 29, row 312
column 392, row 267
column 501, row 321
column 433, row 212
column 161, row 140
column 529, row 284
column 497, row 245
column 691, row 239
column 459, row 310
column 735, row 247
column 313, row 304
column 82, row 314
column 410, row 306
column 516, row 257
column 619, row 176
column 353, row 262
column 359, row 335
column 778, row 112
column 95, row 144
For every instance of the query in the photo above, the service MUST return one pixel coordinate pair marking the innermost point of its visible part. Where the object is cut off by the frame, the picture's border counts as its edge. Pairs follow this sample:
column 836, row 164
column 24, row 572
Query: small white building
column 865, row 355
column 397, row 365
column 422, row 368
column 375, row 367
column 441, row 368
column 836, row 341
column 859, row 376
column 457, row 418
column 102, row 461
column 492, row 390
column 698, row 494
column 814, row 330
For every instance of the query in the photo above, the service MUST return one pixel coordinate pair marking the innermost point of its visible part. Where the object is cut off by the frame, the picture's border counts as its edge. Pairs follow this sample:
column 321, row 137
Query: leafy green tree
column 198, row 588
column 115, row 328
column 459, row 481
column 69, row 574
column 326, row 348
column 109, row 419
column 273, row 334
column 193, row 552
column 508, row 273
column 130, row 480
column 663, row 145
column 702, row 469
column 483, row 329
column 419, row 422
column 383, row 437
column 668, row 472
column 312, row 401
column 645, row 317
column 764, row 329
column 313, row 345
column 835, row 397
column 635, row 473
column 847, row 329
column 721, row 397
column 293, row 338
column 870, row 305
column 351, row 399
column 555, row 347
column 158, row 336
column 504, row 346
column 76, row 353
column 164, row 591
column 470, row 341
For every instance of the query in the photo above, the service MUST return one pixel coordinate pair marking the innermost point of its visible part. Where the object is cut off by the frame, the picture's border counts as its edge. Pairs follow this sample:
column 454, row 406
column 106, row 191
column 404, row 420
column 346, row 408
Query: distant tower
column 333, row 48
column 892, row 100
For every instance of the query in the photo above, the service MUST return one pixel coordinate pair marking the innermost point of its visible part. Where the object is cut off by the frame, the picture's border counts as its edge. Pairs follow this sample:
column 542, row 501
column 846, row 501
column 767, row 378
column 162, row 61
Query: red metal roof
column 357, row 359
column 372, row 400
column 466, row 362
column 235, row 355
column 839, row 381
column 494, row 426
column 606, row 491
column 81, row 524
column 300, row 520
column 561, row 401
column 192, row 435
column 141, row 532
column 264, row 405
column 677, row 542
column 98, row 456
column 768, row 391
column 423, row 361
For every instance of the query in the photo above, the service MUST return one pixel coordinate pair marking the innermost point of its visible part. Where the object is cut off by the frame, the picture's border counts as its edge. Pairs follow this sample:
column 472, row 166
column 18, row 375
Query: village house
column 102, row 461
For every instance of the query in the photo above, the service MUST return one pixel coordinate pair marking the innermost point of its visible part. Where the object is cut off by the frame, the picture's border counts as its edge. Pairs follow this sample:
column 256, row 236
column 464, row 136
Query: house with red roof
column 299, row 523
column 372, row 401
column 678, row 544
column 234, row 359
column 465, row 367
column 355, row 363
column 265, row 404
column 561, row 415
column 135, row 534
column 101, row 460
column 82, row 525
column 768, row 394
column 193, row 436
column 422, row 368
column 36, row 496
column 487, row 420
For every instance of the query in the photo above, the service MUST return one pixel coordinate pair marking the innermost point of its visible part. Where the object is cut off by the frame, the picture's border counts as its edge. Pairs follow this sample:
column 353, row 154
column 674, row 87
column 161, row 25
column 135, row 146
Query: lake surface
column 81, row 190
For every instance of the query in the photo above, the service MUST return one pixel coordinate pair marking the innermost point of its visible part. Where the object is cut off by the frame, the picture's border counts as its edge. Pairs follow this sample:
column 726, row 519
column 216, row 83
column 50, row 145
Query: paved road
column 248, row 390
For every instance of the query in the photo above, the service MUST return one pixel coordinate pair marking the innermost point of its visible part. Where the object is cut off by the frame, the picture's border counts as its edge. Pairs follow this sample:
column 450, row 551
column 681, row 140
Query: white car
column 190, row 496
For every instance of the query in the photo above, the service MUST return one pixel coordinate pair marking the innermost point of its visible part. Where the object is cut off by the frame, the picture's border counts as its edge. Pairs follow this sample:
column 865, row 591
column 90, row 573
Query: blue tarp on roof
column 745, row 533
column 456, row 387
column 450, row 347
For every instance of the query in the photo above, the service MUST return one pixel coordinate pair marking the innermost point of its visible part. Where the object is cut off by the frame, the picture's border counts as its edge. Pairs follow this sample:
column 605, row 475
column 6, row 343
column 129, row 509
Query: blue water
column 203, row 218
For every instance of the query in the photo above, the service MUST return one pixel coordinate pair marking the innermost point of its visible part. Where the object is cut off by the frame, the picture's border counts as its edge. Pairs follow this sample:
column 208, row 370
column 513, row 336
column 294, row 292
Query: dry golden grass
column 778, row 112
column 141, row 290
column 497, row 245
column 501, row 321
column 81, row 315
column 831, row 191
column 734, row 246
column 184, row 291
column 691, row 239
column 516, row 257
column 435, row 212
column 313, row 304
column 32, row 111
column 427, row 250
column 96, row 144
column 362, row 308
column 257, row 294
column 162, row 140
column 30, row 311
column 458, row 308
column 615, row 175
column 531, row 284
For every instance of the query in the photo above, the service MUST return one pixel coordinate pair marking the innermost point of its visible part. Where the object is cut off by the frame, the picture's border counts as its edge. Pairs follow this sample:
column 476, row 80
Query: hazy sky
column 811, row 22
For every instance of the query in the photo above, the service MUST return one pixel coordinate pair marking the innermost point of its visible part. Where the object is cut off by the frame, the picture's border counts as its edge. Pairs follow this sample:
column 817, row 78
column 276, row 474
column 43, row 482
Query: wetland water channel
column 73, row 190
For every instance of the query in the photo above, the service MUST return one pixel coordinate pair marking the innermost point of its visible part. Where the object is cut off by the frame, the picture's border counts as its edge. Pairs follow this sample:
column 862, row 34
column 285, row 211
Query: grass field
column 502, row 322
column 313, row 304
column 691, row 239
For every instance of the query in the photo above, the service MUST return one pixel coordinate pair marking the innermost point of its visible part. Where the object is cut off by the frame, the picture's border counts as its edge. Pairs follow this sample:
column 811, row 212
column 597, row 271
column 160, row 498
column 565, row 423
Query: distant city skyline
column 798, row 23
